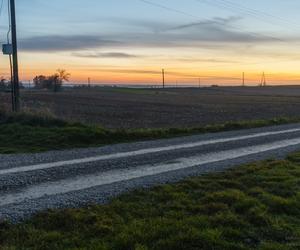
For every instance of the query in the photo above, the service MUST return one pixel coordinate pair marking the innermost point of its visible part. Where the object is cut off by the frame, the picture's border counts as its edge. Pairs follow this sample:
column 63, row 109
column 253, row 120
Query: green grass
column 24, row 133
column 256, row 206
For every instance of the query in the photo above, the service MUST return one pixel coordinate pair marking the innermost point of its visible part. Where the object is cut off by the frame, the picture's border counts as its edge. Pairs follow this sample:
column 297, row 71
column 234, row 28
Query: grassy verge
column 256, row 206
column 32, row 133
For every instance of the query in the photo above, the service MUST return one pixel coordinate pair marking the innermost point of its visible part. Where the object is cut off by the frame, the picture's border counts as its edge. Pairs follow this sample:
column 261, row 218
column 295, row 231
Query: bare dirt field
column 157, row 108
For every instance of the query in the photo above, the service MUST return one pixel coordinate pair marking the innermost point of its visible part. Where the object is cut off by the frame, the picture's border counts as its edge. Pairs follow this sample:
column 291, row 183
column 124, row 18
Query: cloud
column 216, row 22
column 104, row 55
column 64, row 43
column 130, row 71
column 218, row 30
column 208, row 60
column 213, row 33
column 158, row 72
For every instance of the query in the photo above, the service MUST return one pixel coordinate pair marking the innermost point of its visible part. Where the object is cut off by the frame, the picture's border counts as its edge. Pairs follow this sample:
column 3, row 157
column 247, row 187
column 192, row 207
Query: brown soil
column 155, row 108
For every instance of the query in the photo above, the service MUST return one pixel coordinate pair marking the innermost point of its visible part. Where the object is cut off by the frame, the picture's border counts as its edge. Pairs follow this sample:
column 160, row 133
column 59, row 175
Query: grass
column 255, row 206
column 24, row 133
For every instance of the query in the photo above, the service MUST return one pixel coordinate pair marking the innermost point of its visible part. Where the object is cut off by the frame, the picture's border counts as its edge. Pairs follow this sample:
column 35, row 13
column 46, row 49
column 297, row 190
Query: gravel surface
column 41, row 185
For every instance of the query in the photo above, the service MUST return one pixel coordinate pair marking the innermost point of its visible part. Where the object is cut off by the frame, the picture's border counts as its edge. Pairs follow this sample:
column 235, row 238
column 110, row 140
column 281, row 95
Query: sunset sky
column 130, row 41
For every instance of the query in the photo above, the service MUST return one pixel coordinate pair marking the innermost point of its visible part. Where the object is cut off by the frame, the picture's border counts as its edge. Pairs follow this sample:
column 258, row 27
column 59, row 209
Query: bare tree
column 59, row 78
column 53, row 82
column 63, row 75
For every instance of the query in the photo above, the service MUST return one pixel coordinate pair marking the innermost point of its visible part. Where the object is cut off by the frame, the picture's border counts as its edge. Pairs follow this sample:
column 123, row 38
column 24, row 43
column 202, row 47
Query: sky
column 130, row 41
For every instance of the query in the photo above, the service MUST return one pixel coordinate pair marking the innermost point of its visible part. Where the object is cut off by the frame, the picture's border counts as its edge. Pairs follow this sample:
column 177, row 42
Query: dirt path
column 35, row 182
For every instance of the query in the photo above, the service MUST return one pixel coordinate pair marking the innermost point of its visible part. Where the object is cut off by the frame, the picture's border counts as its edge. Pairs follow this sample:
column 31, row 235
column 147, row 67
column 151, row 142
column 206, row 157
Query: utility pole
column 199, row 82
column 15, row 80
column 243, row 79
column 263, row 80
column 89, row 82
column 163, row 78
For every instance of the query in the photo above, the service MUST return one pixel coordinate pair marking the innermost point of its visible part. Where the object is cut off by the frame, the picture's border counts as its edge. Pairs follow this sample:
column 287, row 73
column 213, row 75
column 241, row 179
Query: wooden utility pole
column 263, row 80
column 15, row 80
column 243, row 79
column 163, row 78
column 89, row 82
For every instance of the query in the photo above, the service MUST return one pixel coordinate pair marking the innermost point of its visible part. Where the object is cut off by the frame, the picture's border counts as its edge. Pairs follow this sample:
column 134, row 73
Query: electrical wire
column 168, row 8
column 250, row 12
column 8, row 40
column 258, row 12
column 241, row 9
column 254, row 34
column 1, row 7
column 9, row 22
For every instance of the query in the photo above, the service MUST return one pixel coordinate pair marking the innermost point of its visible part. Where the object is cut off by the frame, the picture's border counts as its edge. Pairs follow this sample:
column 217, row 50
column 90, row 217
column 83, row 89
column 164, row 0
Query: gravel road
column 30, row 183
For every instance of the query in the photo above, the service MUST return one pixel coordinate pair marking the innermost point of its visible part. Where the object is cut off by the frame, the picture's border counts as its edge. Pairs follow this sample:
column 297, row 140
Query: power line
column 168, row 8
column 205, row 19
column 1, row 7
column 9, row 21
column 257, row 14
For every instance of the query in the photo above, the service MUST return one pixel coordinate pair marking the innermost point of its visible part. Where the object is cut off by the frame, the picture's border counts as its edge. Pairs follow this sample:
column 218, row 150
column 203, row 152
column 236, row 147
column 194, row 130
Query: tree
column 40, row 82
column 63, row 75
column 59, row 78
column 3, row 84
column 53, row 82
column 2, row 79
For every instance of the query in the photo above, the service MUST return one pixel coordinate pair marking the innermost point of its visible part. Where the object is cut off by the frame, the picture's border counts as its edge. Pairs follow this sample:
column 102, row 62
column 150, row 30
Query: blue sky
column 66, row 16
column 130, row 40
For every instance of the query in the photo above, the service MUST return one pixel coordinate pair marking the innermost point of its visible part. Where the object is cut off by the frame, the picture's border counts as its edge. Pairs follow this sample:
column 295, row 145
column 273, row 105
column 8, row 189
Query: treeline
column 53, row 82
column 5, row 85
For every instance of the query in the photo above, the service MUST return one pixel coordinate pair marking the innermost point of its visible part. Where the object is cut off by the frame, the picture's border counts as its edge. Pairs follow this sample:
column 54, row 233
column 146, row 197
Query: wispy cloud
column 104, row 55
column 208, row 60
column 216, row 22
column 207, row 33
column 157, row 72
column 64, row 43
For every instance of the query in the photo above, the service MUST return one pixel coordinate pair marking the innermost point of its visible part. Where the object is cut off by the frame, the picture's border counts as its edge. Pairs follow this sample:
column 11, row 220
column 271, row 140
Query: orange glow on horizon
column 154, row 77
column 187, row 68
